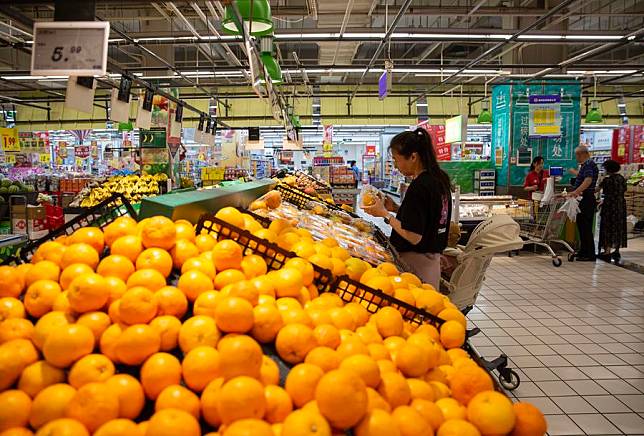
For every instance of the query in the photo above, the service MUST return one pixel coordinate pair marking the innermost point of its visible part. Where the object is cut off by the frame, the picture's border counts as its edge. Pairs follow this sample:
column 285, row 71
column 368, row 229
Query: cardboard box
column 36, row 222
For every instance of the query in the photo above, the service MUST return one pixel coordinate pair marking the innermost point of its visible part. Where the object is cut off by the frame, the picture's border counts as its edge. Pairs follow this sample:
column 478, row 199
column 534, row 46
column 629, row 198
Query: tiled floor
column 575, row 334
column 634, row 252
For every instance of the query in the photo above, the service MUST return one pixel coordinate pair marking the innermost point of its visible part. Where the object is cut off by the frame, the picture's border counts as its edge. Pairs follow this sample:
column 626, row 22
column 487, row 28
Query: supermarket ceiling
column 434, row 45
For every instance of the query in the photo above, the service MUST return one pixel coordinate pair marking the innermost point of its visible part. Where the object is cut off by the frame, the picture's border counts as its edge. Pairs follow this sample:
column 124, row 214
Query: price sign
column 44, row 158
column 10, row 158
column 79, row 162
column 81, row 151
column 9, row 139
column 70, row 48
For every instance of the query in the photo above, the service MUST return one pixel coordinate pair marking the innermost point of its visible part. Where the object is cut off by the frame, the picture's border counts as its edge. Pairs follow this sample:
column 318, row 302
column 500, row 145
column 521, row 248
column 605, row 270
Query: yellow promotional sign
column 79, row 162
column 45, row 158
column 10, row 158
column 9, row 139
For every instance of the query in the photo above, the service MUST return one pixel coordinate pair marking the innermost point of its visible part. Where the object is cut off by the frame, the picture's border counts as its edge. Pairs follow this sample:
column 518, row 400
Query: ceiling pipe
column 173, row 8
column 212, row 28
column 343, row 26
column 22, row 103
column 381, row 46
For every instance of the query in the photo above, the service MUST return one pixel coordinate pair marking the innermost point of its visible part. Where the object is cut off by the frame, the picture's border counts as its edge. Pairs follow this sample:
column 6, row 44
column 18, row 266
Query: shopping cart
column 541, row 225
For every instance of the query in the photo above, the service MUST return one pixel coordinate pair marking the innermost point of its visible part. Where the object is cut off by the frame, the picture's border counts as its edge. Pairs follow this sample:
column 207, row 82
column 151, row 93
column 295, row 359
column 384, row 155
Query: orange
column 201, row 264
column 420, row 389
column 71, row 272
column 118, row 427
column 269, row 372
column 380, row 283
column 394, row 389
column 185, row 230
column 50, row 403
column 453, row 315
column 239, row 355
column 301, row 382
column 429, row 411
column 227, row 277
column 168, row 328
column 93, row 405
column 138, row 306
column 200, row 366
column 178, row 397
column 38, row 376
column 412, row 360
column 122, row 226
column 43, row 270
column 15, row 328
column 457, row 427
column 267, row 322
column 115, row 265
column 49, row 250
column 365, row 367
column 452, row 334
column 340, row 253
column 429, row 330
column 249, row 427
column 17, row 431
column 61, row 303
column 206, row 303
column 88, row 292
column 130, row 394
column 429, row 300
column 264, row 285
column 288, row 282
column 172, row 422
column 351, row 346
column 171, row 301
column 234, row 315
column 294, row 341
column 241, row 397
column 231, row 216
column 529, row 420
column 304, row 267
column 194, row 282
column 341, row 398
column 97, row 322
column 410, row 422
column 325, row 358
column 377, row 423
column 117, row 288
column 227, row 254
column 244, row 289
column 80, row 253
column 91, row 368
column 209, row 402
column 182, row 251
column 15, row 406
column 48, row 323
column 205, row 242
column 109, row 339
column 88, row 235
column 148, row 278
column 278, row 404
column 253, row 266
column 296, row 316
column 389, row 322
column 327, row 335
column 375, row 401
column 342, row 318
column 359, row 313
column 67, row 343
column 318, row 316
column 137, row 343
column 196, row 331
column 451, row 409
column 305, row 423
column 159, row 232
column 129, row 246
column 63, row 427
column 11, row 282
column 388, row 268
column 378, row 351
column 159, row 371
column 491, row 412
column 469, row 381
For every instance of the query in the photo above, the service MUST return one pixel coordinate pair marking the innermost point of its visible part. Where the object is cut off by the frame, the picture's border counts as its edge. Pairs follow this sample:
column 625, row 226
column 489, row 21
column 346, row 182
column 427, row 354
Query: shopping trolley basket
column 541, row 225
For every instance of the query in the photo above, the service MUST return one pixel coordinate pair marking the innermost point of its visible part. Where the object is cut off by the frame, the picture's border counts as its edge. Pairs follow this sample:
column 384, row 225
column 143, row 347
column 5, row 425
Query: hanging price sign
column 10, row 158
column 70, row 48
column 9, row 139
column 45, row 158
column 79, row 162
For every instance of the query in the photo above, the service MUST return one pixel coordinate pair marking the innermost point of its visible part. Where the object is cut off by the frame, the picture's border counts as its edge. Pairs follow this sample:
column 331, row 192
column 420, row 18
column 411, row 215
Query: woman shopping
column 536, row 178
column 612, row 227
column 421, row 226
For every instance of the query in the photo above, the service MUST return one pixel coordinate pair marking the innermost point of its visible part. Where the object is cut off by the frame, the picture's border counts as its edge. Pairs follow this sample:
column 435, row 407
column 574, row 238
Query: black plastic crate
column 301, row 199
column 96, row 216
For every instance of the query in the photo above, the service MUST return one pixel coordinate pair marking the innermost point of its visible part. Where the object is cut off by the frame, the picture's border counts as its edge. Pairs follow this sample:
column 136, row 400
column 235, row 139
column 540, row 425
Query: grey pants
column 427, row 266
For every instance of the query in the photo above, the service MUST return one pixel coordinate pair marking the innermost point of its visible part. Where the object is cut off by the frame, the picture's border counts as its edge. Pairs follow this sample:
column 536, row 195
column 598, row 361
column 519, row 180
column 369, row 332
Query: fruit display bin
column 301, row 199
column 99, row 215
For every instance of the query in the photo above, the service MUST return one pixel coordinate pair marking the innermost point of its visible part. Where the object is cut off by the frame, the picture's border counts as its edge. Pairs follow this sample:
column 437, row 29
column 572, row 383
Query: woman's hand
column 390, row 205
column 377, row 209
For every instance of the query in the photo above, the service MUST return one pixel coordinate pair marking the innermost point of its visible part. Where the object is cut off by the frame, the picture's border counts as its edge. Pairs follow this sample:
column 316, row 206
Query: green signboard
column 155, row 138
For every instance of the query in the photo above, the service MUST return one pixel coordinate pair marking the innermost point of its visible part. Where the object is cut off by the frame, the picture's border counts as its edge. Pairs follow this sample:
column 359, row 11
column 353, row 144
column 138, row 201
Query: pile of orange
column 97, row 306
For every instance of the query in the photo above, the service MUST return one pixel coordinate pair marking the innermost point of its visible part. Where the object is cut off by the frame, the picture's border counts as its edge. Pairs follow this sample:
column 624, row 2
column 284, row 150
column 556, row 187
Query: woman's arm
column 531, row 188
column 412, row 237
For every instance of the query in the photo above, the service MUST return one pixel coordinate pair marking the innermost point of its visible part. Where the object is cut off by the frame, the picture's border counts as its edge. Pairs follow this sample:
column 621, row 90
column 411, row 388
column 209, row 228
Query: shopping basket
column 541, row 224
column 96, row 216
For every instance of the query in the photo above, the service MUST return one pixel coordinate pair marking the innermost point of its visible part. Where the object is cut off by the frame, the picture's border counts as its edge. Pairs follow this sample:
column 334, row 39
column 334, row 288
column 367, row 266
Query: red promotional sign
column 437, row 134
column 621, row 143
column 370, row 150
column 638, row 144
column 81, row 151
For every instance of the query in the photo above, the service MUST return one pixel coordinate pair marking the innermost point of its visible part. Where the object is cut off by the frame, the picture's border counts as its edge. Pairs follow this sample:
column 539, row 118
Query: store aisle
column 576, row 336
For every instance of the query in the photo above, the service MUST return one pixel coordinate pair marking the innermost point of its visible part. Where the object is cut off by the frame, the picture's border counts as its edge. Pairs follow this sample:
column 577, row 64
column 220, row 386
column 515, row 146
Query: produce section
column 172, row 327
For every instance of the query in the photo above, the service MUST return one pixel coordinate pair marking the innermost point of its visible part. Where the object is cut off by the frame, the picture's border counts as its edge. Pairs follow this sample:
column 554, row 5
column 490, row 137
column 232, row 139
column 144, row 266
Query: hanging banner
column 545, row 116
column 437, row 135
column 637, row 144
column 620, row 145
column 9, row 139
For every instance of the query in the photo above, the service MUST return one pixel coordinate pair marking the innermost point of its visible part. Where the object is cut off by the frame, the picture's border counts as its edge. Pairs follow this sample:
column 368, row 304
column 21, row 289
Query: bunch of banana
column 133, row 187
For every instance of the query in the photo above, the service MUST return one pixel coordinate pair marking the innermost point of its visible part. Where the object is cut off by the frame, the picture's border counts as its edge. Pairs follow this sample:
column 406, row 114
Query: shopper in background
column 612, row 227
column 353, row 167
column 585, row 182
column 420, row 228
column 536, row 178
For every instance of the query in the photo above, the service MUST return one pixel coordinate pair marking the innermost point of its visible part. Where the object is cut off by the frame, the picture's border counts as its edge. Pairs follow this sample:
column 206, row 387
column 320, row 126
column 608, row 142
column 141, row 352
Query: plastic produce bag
column 571, row 208
column 549, row 191
column 369, row 195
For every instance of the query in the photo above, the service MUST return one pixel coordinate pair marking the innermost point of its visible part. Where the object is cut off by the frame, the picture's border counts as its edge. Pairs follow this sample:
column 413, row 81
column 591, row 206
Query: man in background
column 585, row 182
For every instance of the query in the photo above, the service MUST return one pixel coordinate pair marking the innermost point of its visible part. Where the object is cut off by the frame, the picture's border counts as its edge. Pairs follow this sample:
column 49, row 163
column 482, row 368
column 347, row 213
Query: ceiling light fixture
column 259, row 23
column 594, row 115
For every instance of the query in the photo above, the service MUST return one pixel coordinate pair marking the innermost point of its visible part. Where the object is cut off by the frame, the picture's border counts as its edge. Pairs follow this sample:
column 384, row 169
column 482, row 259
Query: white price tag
column 70, row 48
